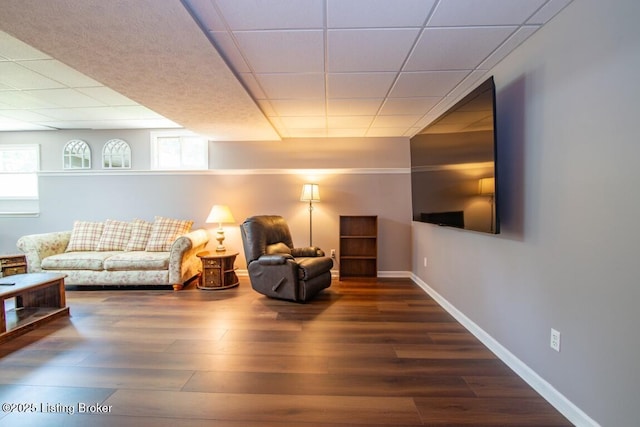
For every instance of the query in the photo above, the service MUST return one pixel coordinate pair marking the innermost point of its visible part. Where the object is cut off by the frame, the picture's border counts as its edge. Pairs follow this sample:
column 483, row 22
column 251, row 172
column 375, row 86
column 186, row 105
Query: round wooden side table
column 218, row 271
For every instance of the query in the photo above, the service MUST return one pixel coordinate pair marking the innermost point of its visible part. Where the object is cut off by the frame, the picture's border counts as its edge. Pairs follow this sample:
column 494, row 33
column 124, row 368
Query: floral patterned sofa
column 119, row 253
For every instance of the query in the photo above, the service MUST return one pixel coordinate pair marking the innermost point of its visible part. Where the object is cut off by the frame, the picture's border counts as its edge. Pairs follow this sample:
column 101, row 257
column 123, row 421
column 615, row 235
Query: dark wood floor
column 363, row 353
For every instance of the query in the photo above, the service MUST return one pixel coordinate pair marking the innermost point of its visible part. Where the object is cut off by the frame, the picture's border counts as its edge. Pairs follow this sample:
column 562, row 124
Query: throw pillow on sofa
column 165, row 231
column 140, row 233
column 115, row 236
column 85, row 236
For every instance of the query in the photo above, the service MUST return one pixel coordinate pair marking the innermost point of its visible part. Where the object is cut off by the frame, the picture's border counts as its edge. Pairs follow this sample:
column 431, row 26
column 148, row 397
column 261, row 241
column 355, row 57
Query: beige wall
column 357, row 176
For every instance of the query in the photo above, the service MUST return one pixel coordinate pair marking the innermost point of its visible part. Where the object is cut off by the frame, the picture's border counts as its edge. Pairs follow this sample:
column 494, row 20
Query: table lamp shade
column 220, row 214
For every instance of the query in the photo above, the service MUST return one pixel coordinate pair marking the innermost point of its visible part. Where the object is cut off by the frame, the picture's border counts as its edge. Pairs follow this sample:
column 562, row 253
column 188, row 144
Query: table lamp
column 220, row 214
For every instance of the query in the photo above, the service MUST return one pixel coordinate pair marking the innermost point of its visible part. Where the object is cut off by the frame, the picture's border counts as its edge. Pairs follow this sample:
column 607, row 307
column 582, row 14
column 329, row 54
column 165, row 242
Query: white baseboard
column 539, row 384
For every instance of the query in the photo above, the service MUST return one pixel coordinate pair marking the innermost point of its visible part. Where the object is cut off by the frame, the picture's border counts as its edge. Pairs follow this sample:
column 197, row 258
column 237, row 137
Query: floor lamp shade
column 220, row 214
column 310, row 193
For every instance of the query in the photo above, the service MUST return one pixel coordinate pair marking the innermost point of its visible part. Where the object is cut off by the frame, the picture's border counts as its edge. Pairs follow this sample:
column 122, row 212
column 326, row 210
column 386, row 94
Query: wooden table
column 39, row 298
column 218, row 271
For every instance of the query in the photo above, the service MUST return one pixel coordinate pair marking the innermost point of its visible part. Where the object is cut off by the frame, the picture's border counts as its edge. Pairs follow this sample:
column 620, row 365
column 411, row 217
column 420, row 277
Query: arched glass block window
column 76, row 155
column 116, row 154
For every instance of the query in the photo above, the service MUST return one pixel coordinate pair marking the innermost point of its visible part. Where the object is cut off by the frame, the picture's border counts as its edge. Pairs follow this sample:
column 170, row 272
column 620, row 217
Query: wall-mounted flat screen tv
column 453, row 165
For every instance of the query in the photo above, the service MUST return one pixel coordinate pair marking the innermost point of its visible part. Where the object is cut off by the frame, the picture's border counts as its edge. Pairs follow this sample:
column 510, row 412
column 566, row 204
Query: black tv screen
column 453, row 165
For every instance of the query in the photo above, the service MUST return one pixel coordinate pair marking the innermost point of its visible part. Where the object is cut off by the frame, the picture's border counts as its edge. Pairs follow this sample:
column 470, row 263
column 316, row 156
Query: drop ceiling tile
column 25, row 115
column 14, row 75
column 359, row 85
column 345, row 122
column 106, row 95
column 512, row 42
column 548, row 11
column 274, row 14
column 386, row 132
column 59, row 72
column 22, row 99
column 227, row 48
column 395, row 121
column 15, row 50
column 377, row 13
column 65, row 98
column 377, row 49
column 426, row 83
column 292, row 85
column 283, row 51
column 7, row 124
column 310, row 122
column 487, row 12
column 298, row 107
column 399, row 106
column 308, row 133
column 471, row 45
column 352, row 107
column 347, row 133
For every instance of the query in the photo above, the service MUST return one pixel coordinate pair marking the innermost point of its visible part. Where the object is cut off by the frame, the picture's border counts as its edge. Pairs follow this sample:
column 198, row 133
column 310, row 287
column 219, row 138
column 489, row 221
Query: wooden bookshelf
column 358, row 246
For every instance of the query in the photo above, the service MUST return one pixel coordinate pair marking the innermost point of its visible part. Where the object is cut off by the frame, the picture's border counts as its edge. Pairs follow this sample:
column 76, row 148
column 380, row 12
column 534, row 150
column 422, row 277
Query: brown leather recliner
column 276, row 268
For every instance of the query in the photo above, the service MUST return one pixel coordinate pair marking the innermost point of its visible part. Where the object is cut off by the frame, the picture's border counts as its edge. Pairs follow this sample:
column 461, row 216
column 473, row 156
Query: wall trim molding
column 274, row 171
column 539, row 384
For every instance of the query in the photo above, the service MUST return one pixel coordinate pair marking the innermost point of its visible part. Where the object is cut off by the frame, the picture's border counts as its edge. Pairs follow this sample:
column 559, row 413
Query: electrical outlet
column 555, row 340
column 425, row 261
column 333, row 253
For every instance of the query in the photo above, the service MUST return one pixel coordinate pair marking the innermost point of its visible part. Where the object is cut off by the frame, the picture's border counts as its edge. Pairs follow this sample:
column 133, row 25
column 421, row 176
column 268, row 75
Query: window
column 19, row 165
column 116, row 154
column 179, row 151
column 76, row 155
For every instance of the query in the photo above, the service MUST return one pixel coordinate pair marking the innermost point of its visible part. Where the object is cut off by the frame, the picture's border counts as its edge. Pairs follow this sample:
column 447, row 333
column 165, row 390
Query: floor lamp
column 488, row 188
column 310, row 193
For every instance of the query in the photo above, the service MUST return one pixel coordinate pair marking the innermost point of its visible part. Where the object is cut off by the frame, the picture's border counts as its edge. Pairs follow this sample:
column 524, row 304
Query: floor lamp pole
column 310, row 222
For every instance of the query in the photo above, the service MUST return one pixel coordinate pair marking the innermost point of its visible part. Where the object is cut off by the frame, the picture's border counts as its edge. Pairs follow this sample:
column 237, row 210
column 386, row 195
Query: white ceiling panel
column 105, row 95
column 60, row 73
column 451, row 13
column 283, row 51
column 354, row 107
column 369, row 49
column 395, row 106
column 13, row 75
column 426, row 83
column 66, row 98
column 404, row 121
column 472, row 45
column 292, row 86
column 298, row 107
column 377, row 13
column 272, row 14
column 253, row 69
column 359, row 85
column 349, row 122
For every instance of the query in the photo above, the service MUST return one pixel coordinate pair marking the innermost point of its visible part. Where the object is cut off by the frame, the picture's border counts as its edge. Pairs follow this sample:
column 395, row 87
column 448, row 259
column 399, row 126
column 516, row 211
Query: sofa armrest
column 37, row 247
column 183, row 262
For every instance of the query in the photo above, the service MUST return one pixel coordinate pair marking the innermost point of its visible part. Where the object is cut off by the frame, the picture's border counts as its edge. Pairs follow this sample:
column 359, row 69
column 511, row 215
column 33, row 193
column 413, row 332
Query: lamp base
column 220, row 239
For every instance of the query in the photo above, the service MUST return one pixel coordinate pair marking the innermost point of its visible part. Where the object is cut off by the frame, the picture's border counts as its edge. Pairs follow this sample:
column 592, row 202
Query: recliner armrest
column 309, row 251
column 274, row 259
